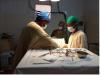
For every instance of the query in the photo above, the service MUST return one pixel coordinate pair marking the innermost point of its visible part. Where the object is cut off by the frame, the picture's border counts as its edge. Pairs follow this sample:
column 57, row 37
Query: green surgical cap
column 72, row 19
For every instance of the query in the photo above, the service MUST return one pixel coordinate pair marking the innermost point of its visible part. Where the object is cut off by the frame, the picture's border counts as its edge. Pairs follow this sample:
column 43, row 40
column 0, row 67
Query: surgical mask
column 70, row 29
column 44, row 27
column 60, row 27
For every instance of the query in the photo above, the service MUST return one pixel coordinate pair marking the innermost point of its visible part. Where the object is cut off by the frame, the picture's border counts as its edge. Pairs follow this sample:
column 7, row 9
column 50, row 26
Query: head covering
column 42, row 16
column 72, row 19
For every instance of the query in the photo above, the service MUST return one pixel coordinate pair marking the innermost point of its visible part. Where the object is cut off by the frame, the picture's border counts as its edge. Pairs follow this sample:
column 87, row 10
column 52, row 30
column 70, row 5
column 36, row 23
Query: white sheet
column 59, row 41
column 34, row 58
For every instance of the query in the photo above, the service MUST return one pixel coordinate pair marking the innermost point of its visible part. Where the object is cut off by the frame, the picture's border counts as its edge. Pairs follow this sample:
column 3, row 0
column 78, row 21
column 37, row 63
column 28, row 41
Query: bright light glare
column 45, row 8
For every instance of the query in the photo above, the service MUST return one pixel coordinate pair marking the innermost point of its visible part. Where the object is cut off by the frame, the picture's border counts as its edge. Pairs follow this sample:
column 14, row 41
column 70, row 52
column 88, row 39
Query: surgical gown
column 33, row 37
column 77, row 40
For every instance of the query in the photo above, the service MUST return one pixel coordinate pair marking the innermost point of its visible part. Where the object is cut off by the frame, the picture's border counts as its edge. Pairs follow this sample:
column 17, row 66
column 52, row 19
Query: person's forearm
column 65, row 46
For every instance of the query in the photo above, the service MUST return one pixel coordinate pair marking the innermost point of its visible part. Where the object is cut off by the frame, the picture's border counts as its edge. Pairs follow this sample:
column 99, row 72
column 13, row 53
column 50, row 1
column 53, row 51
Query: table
column 55, row 62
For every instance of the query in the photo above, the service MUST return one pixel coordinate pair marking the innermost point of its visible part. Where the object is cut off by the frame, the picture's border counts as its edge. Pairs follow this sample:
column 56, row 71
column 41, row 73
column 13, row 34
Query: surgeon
column 77, row 38
column 59, row 32
column 33, row 36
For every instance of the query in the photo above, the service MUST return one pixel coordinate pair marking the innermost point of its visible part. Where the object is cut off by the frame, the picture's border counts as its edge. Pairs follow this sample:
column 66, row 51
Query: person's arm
column 43, row 42
column 65, row 46
column 40, row 39
column 82, row 41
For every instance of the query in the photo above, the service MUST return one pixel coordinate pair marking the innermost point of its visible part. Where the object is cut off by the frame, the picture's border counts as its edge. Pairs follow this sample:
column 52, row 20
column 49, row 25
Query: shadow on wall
column 94, row 47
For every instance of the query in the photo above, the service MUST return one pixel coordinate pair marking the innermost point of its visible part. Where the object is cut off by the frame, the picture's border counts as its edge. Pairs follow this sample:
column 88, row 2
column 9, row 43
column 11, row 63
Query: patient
column 77, row 38
column 33, row 36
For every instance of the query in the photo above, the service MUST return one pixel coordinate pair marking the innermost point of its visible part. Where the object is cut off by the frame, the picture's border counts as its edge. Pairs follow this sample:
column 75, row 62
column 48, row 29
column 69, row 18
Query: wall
column 15, row 14
column 72, row 7
column 91, row 18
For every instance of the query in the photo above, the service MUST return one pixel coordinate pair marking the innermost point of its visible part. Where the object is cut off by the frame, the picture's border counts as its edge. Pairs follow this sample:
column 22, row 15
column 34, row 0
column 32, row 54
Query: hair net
column 42, row 16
